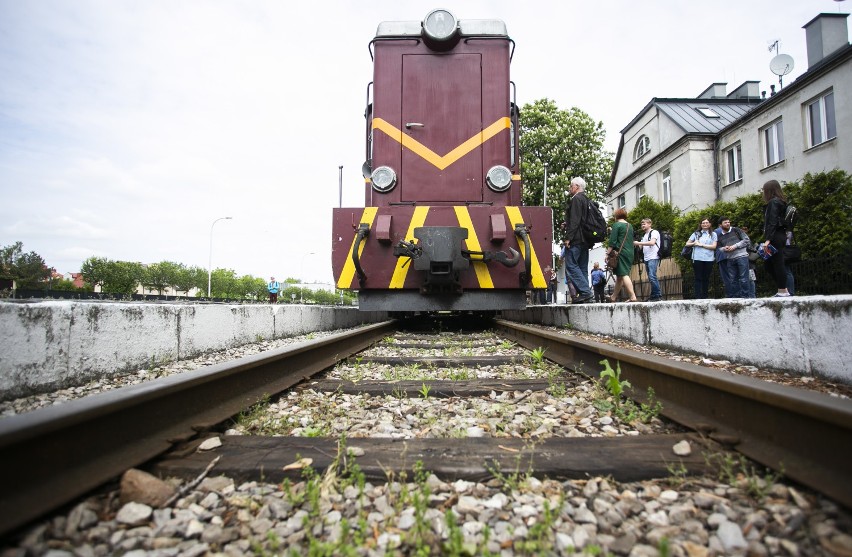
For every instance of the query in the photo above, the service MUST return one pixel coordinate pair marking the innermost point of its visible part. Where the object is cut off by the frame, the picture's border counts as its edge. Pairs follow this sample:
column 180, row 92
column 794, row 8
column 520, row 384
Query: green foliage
column 570, row 142
column 28, row 270
column 662, row 215
column 612, row 379
column 824, row 203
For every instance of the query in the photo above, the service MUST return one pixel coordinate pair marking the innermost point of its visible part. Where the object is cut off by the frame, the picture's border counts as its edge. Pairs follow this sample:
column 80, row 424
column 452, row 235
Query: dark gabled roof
column 684, row 113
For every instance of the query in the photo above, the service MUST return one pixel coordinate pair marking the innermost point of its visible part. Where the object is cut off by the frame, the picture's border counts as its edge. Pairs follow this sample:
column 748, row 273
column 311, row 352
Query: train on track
column 443, row 227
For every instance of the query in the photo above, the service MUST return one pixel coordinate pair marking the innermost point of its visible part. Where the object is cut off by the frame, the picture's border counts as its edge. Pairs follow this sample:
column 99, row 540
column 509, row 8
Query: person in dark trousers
column 598, row 282
column 273, row 288
column 703, row 243
column 577, row 254
column 775, row 234
column 733, row 242
column 650, row 244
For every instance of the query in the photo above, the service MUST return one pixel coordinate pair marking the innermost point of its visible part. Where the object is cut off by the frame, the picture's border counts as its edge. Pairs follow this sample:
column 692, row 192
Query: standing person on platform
column 722, row 263
column 775, row 234
column 752, row 257
column 733, row 242
column 273, row 288
column 650, row 244
column 621, row 229
column 577, row 252
column 703, row 243
column 598, row 282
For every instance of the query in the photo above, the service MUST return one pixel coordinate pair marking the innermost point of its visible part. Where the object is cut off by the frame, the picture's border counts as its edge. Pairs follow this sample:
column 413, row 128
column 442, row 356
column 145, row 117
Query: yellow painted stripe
column 431, row 156
column 483, row 275
column 348, row 272
column 515, row 218
column 403, row 264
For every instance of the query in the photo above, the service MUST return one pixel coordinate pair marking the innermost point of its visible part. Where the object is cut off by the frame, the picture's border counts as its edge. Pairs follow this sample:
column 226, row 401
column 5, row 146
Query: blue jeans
column 726, row 278
column 577, row 268
column 652, row 265
column 738, row 280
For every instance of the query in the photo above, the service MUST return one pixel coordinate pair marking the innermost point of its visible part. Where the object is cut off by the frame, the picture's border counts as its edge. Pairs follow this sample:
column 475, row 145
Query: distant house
column 75, row 278
column 717, row 146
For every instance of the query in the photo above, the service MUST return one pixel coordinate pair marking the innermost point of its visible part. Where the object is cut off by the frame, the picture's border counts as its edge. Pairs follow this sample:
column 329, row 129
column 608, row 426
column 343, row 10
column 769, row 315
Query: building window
column 643, row 145
column 640, row 191
column 667, row 186
column 622, row 201
column 820, row 118
column 734, row 163
column 773, row 143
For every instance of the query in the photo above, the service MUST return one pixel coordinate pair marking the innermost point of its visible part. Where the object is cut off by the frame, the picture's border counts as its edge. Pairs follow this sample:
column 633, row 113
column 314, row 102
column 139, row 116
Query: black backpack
column 665, row 247
column 594, row 225
column 790, row 217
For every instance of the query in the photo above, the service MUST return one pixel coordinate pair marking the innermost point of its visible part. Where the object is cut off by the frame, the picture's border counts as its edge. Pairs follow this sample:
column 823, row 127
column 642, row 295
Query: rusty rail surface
column 804, row 434
column 52, row 455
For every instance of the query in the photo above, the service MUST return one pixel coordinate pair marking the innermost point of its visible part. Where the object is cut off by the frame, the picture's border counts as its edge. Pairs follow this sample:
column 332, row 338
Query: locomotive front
column 443, row 228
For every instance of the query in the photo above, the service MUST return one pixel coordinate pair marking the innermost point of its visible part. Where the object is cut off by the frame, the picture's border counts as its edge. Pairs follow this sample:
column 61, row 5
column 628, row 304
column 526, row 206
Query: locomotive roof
column 467, row 28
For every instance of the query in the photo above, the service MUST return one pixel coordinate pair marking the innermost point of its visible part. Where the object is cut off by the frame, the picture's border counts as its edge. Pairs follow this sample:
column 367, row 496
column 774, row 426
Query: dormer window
column 707, row 112
column 643, row 145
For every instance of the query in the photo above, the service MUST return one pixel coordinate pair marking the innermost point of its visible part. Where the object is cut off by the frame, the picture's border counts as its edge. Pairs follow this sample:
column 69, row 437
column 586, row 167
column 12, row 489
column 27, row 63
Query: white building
column 717, row 147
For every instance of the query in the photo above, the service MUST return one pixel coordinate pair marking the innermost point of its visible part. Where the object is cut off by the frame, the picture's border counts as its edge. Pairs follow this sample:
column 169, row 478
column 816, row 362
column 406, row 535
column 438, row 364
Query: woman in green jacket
column 622, row 235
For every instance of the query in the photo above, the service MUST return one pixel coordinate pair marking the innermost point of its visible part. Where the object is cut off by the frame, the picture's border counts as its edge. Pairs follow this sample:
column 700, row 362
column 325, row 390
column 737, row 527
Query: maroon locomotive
column 443, row 227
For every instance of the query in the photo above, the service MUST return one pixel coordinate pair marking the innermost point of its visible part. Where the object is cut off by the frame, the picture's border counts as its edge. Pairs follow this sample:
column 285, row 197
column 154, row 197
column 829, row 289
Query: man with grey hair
column 577, row 254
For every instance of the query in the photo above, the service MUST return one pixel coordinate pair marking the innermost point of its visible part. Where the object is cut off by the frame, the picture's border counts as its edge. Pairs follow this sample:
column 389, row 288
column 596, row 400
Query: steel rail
column 52, row 455
column 803, row 434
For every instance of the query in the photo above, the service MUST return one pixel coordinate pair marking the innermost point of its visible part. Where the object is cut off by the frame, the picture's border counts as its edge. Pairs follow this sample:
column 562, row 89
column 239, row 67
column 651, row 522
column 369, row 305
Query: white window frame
column 821, row 112
column 622, row 201
column 643, row 147
column 772, row 143
column 640, row 191
column 733, row 163
column 667, row 186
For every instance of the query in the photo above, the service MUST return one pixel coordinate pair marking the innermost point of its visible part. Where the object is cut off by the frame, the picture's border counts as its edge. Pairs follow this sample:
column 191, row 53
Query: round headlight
column 440, row 25
column 499, row 178
column 383, row 178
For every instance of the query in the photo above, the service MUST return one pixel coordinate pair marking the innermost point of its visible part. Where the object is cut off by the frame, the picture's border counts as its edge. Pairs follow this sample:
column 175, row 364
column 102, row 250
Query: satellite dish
column 781, row 64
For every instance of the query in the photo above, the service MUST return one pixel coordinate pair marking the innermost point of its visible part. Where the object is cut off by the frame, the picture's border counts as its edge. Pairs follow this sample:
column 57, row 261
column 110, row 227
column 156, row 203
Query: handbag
column 612, row 255
column 792, row 253
column 686, row 252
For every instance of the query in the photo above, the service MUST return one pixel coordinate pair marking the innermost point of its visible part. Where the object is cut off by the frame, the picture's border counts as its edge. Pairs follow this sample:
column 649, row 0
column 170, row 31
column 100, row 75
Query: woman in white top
column 703, row 242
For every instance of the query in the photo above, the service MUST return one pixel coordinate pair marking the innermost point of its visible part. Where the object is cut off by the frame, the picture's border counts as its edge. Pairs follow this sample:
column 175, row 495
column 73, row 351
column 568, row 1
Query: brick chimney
column 825, row 34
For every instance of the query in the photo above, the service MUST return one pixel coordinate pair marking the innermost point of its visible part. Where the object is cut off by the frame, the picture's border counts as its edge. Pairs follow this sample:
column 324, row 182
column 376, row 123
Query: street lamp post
column 545, row 185
column 210, row 259
column 340, row 186
column 302, row 284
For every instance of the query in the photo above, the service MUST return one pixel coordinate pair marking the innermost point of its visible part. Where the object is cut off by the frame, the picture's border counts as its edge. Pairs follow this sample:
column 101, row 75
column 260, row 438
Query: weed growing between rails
column 610, row 398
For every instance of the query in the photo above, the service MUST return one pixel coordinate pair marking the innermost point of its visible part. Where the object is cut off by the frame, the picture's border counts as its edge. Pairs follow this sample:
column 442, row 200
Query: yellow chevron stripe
column 483, row 275
column 348, row 272
column 429, row 155
column 403, row 264
column 515, row 218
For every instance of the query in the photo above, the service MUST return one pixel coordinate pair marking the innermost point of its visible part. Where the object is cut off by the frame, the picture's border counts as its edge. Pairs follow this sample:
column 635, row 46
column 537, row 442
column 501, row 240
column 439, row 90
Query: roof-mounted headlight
column 440, row 25
column 383, row 178
column 499, row 178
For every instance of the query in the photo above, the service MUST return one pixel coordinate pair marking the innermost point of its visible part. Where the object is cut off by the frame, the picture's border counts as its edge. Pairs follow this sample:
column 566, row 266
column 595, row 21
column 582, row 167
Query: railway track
column 63, row 452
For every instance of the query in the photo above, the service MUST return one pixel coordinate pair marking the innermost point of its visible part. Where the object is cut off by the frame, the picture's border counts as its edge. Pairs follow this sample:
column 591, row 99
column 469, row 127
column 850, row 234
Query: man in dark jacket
column 577, row 254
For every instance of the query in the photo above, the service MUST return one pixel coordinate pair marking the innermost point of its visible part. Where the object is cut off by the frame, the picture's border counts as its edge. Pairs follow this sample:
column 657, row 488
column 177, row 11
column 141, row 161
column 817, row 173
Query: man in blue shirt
column 273, row 288
column 598, row 282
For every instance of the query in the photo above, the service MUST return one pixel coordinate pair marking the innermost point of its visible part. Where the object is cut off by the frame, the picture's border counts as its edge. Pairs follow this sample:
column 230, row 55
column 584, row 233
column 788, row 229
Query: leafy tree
column 188, row 278
column 571, row 144
column 28, row 270
column 251, row 288
column 160, row 276
column 223, row 283
column 123, row 277
column 662, row 215
column 94, row 271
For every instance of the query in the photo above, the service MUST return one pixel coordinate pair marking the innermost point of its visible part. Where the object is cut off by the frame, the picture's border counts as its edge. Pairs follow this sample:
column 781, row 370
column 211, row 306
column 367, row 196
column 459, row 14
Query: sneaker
column 780, row 295
column 584, row 300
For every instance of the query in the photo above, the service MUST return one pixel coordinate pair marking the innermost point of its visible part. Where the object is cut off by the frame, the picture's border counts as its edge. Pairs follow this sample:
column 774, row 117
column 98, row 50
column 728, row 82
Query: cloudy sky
column 127, row 127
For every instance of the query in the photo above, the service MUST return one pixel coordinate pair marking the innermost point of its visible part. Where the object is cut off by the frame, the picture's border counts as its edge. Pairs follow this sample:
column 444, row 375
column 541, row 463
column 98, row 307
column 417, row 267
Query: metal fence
column 825, row 276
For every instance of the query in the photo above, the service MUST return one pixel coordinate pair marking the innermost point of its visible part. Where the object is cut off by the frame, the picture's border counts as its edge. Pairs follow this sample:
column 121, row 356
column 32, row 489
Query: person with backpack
column 733, row 243
column 774, row 233
column 650, row 245
column 577, row 252
column 703, row 244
